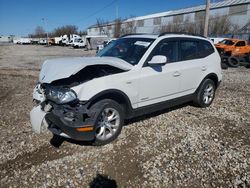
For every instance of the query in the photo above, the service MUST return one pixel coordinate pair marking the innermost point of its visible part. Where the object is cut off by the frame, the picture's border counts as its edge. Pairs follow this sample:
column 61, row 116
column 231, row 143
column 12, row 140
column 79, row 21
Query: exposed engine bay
column 86, row 74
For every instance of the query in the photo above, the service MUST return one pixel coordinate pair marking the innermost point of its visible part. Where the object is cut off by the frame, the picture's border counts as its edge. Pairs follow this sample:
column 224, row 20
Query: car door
column 240, row 48
column 160, row 82
column 193, row 63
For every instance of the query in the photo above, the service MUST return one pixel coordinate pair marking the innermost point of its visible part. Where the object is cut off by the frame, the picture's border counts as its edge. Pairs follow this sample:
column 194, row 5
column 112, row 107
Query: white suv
column 88, row 98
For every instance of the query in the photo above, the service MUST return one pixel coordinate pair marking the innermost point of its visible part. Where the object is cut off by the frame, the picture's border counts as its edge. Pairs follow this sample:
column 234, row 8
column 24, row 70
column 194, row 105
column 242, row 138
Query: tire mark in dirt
column 37, row 157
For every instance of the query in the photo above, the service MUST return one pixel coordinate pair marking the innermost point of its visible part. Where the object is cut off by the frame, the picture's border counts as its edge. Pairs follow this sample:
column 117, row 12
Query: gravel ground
column 181, row 147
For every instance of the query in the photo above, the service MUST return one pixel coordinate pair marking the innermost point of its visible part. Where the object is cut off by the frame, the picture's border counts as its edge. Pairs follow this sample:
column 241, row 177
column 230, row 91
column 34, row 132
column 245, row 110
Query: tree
column 82, row 32
column 219, row 25
column 38, row 33
column 65, row 30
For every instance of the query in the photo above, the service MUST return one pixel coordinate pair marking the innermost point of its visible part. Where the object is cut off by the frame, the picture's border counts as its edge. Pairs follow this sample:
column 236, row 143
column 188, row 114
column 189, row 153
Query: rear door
column 194, row 61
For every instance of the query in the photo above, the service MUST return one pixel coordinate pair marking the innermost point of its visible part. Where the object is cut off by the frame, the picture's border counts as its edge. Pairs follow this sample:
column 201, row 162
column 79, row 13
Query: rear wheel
column 205, row 94
column 109, row 121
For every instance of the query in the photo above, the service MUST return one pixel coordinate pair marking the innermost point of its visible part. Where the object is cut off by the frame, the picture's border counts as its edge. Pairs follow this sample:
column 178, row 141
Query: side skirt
column 160, row 106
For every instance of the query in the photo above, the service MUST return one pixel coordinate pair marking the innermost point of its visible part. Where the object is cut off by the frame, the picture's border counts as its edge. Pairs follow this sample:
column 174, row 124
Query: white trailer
column 58, row 40
column 65, row 40
column 72, row 38
column 42, row 41
column 23, row 41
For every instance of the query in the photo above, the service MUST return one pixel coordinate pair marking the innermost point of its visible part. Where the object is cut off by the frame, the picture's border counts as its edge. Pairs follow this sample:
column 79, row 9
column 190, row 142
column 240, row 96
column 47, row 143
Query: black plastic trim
column 180, row 33
column 66, row 119
column 115, row 95
column 162, row 105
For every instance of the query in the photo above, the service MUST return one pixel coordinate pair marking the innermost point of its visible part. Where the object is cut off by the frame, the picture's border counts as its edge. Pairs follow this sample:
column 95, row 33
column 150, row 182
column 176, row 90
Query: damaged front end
column 57, row 105
column 59, row 109
column 62, row 113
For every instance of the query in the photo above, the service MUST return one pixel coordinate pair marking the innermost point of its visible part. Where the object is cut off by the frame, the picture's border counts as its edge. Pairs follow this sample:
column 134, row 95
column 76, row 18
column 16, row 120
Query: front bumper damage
column 68, row 120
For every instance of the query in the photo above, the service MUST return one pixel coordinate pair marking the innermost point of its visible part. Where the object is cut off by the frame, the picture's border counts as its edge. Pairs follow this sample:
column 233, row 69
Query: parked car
column 216, row 40
column 79, row 43
column 88, row 98
column 233, row 51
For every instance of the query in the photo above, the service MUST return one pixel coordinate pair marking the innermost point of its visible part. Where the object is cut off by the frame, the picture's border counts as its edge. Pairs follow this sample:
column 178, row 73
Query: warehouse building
column 237, row 12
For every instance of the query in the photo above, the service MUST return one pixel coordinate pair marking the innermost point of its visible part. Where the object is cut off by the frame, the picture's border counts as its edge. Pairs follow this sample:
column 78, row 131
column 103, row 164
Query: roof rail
column 134, row 34
column 180, row 33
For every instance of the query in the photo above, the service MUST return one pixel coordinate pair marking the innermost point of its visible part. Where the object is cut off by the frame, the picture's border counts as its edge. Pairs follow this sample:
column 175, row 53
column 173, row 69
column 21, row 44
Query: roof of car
column 154, row 36
column 234, row 40
column 140, row 36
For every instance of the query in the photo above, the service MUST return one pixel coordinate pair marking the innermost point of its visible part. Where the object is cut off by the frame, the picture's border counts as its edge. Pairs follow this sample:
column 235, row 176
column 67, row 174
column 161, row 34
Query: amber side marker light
column 85, row 129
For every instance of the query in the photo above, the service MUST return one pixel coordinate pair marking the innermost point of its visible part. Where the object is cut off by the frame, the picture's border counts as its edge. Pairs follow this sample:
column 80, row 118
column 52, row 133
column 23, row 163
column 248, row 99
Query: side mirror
column 158, row 60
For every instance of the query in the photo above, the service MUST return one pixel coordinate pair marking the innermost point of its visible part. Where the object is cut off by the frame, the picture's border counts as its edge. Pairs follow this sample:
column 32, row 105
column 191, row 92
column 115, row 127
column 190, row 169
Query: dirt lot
column 183, row 147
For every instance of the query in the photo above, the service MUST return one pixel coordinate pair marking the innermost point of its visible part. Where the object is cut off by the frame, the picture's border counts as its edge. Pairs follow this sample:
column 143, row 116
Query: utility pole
column 47, row 33
column 117, row 10
column 206, row 19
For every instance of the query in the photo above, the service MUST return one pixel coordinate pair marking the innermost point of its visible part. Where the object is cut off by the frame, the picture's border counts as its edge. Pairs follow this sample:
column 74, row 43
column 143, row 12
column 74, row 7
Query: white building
column 6, row 38
column 237, row 11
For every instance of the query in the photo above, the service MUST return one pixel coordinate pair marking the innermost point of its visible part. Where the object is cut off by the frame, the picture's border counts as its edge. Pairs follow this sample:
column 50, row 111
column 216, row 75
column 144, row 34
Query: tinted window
column 166, row 48
column 195, row 49
column 240, row 43
column 205, row 49
column 188, row 50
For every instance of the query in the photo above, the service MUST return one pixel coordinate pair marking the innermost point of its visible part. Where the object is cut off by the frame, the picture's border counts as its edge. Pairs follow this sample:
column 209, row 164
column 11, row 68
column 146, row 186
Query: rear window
column 205, row 49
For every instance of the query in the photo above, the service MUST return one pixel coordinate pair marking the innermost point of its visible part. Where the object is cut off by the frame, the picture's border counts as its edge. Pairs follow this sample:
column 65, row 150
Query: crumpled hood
column 55, row 69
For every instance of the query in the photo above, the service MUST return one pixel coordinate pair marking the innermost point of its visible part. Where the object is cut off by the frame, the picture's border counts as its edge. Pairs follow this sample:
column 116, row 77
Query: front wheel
column 110, row 119
column 205, row 94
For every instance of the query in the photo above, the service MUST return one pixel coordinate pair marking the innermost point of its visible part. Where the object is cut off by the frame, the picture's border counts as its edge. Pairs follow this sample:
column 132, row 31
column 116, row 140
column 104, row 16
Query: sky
column 21, row 17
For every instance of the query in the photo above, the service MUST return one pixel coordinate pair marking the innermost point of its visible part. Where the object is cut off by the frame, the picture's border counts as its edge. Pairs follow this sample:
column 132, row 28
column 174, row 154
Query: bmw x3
column 88, row 98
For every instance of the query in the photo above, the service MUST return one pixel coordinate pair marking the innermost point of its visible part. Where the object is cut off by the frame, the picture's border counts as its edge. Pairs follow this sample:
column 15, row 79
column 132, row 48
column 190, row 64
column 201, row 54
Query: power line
column 98, row 11
column 91, row 15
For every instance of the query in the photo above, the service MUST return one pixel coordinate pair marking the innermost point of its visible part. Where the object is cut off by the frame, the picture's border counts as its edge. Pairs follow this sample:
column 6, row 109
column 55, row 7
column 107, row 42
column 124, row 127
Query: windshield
column 128, row 49
column 227, row 42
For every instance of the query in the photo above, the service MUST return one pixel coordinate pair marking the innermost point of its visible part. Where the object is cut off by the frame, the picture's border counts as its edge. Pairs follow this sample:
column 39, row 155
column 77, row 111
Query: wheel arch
column 213, row 77
column 116, row 95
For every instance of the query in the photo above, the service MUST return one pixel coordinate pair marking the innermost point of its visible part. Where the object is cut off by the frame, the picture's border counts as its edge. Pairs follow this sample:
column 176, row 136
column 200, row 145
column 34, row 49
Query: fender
column 211, row 76
column 115, row 95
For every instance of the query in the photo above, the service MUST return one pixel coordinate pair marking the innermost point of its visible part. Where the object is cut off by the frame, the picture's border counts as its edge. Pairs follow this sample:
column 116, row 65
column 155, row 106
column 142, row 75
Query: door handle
column 203, row 68
column 176, row 74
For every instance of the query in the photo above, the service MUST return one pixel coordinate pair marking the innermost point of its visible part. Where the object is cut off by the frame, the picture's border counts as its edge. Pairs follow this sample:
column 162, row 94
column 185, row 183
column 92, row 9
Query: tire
column 205, row 94
column 224, row 66
column 107, row 130
column 248, row 61
column 233, row 62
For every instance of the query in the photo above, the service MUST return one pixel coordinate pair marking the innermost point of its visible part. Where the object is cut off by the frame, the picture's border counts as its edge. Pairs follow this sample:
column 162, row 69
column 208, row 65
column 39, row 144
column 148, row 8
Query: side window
column 188, row 50
column 166, row 48
column 240, row 43
column 205, row 49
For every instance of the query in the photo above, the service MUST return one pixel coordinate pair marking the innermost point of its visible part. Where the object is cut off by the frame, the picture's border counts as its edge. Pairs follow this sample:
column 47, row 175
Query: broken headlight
column 60, row 95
